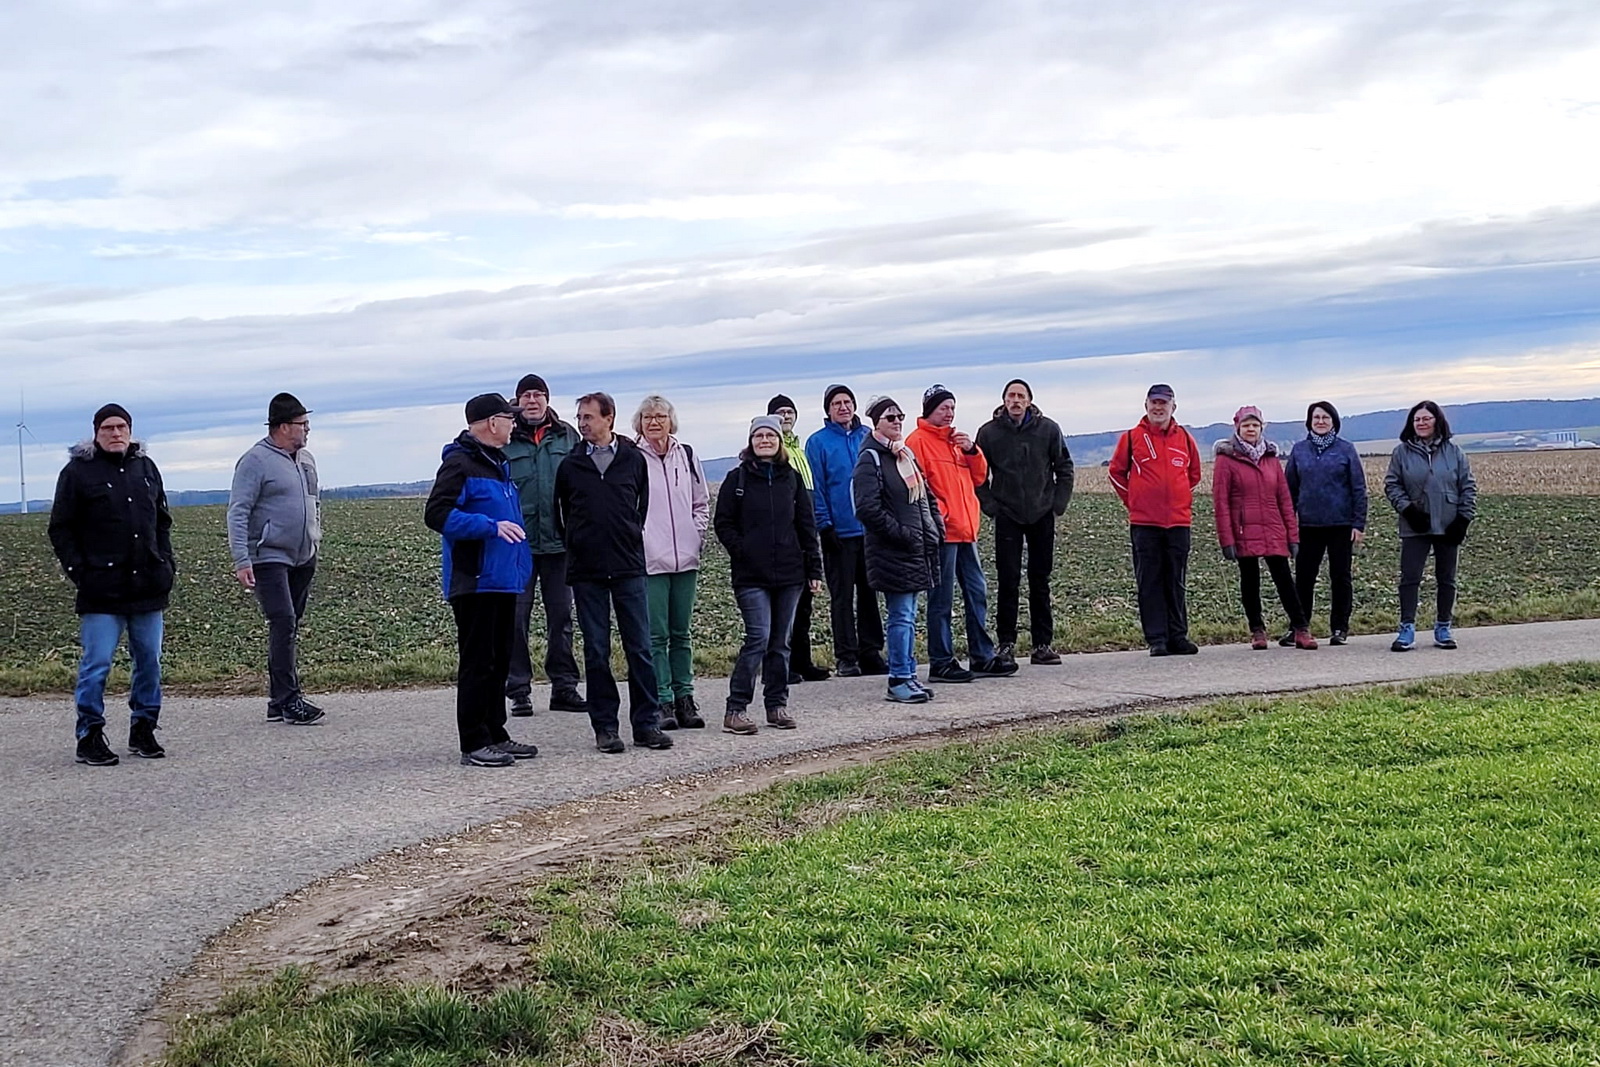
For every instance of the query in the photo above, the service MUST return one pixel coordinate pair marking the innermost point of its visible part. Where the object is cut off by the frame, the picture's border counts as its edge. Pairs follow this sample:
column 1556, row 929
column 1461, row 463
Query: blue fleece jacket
column 471, row 494
column 1329, row 488
column 832, row 453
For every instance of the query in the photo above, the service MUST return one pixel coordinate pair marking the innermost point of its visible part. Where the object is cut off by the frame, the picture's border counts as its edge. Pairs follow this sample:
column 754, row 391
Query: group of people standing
column 594, row 524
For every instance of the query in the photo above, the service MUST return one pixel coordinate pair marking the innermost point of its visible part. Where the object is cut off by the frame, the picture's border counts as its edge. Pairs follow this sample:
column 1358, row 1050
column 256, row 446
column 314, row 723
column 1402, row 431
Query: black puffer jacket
column 764, row 518
column 1030, row 469
column 112, row 532
column 905, row 538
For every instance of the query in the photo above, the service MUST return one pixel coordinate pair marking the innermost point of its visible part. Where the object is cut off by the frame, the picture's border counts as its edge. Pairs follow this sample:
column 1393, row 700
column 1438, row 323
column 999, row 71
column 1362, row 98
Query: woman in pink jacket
column 675, row 523
column 1256, row 521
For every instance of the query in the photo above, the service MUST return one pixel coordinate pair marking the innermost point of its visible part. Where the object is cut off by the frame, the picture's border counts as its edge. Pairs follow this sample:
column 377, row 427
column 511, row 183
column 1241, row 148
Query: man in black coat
column 602, row 493
column 112, row 532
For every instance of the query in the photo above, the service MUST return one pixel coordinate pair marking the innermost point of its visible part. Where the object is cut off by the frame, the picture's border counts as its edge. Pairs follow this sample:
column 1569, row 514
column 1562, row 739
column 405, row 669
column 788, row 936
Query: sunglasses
column 898, row 416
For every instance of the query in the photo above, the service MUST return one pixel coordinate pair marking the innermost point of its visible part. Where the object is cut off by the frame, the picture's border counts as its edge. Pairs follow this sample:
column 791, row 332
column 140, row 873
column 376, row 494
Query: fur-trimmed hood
column 85, row 449
column 1225, row 447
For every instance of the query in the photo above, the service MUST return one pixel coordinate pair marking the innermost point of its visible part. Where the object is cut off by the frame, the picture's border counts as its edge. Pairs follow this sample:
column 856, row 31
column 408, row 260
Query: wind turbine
column 22, row 428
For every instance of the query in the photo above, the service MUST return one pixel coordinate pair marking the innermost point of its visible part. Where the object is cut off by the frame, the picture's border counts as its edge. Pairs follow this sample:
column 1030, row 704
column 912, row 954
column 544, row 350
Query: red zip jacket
column 1154, row 474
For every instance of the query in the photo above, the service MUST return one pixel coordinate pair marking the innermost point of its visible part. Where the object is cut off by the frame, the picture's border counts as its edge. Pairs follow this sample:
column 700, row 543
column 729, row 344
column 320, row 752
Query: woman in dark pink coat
column 1256, row 521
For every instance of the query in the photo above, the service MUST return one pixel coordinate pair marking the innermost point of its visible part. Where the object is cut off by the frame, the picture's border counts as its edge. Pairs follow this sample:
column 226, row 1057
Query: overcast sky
column 388, row 207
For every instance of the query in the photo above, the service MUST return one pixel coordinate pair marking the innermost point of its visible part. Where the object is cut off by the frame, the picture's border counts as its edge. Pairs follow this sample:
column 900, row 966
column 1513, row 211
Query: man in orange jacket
column 1154, row 470
column 955, row 467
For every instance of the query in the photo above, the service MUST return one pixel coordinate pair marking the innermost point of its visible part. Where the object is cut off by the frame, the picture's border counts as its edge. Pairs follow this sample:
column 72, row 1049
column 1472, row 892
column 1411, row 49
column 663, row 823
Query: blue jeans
column 960, row 562
column 901, row 634
column 595, row 601
column 100, row 634
column 768, row 620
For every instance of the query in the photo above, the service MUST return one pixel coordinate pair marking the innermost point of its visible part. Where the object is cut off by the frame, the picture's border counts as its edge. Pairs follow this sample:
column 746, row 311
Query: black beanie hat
column 1325, row 406
column 781, row 401
column 936, row 395
column 484, row 405
column 284, row 408
column 879, row 405
column 833, row 391
column 1018, row 381
column 534, row 382
column 110, row 411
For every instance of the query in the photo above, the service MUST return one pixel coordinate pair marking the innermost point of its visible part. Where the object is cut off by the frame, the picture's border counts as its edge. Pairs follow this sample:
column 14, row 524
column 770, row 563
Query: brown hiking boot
column 778, row 719
column 736, row 722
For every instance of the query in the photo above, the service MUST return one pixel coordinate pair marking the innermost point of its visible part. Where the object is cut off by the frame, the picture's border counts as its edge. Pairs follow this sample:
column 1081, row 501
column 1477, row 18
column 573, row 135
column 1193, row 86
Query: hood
column 86, row 450
column 1225, row 447
column 1001, row 415
column 465, row 442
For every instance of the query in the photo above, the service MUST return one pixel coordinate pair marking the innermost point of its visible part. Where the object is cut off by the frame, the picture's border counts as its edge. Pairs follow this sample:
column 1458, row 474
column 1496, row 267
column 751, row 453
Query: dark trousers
column 768, row 620
column 283, row 591
column 1414, row 552
column 852, row 605
column 1334, row 541
column 1010, row 537
column 596, row 601
column 549, row 578
column 484, row 625
column 1161, row 571
column 800, row 633
column 1250, row 590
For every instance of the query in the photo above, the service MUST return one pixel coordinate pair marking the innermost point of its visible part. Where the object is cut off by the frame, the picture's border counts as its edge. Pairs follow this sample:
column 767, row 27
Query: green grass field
column 377, row 619
column 1400, row 877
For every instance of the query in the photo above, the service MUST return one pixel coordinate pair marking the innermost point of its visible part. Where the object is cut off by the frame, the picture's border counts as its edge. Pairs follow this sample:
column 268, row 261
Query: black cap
column 833, row 391
column 780, row 401
column 284, row 408
column 936, row 395
column 534, row 382
column 112, row 411
column 1017, row 381
column 485, row 405
column 1162, row 390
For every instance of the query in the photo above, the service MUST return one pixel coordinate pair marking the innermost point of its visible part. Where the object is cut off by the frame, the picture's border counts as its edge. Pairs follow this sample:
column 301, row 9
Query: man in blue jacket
column 475, row 508
column 853, row 607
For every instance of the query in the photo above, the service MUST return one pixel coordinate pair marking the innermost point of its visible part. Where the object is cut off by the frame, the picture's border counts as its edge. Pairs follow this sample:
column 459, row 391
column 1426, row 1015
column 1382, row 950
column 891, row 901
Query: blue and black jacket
column 471, row 494
column 832, row 452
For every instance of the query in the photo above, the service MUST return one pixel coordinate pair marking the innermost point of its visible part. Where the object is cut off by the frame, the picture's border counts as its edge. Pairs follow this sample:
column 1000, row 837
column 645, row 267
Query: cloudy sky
column 388, row 207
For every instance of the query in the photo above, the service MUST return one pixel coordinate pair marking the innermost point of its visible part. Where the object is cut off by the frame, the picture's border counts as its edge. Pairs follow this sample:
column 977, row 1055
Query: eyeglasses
column 898, row 416
column 508, row 418
column 659, row 416
column 301, row 422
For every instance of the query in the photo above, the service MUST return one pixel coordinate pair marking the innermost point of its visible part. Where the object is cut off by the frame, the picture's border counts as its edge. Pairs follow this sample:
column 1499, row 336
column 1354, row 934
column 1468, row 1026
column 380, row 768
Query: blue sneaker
column 1406, row 638
column 1442, row 638
column 902, row 691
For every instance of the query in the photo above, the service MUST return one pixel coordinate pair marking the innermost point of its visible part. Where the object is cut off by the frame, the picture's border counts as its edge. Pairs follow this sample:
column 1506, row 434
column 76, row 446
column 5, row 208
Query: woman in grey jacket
column 1430, row 487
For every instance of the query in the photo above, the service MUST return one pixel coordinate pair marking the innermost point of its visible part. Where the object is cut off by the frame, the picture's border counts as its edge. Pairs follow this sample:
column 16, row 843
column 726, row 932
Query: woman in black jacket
column 764, row 518
column 905, row 538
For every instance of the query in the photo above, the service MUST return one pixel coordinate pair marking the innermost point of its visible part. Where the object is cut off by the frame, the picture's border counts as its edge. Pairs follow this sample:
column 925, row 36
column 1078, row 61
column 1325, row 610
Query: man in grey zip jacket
column 274, row 527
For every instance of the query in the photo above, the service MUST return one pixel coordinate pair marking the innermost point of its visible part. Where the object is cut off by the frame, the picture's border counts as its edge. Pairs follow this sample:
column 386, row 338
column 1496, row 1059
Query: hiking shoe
column 1006, row 655
column 1287, row 640
column 93, row 750
column 737, row 722
column 1258, row 640
column 301, row 714
column 1182, row 646
column 993, row 668
column 274, row 714
column 1045, row 656
column 1159, row 650
column 954, row 672
column 142, row 740
column 901, row 691
column 847, row 669
column 1303, row 639
column 652, row 739
column 778, row 719
column 609, row 743
column 516, row 749
column 688, row 713
column 669, row 718
column 1406, row 638
column 916, row 684
column 1442, row 637
column 796, row 678
column 521, row 707
column 812, row 673
column 874, row 664
column 567, row 700
column 487, row 756
column 306, row 705
column 1338, row 637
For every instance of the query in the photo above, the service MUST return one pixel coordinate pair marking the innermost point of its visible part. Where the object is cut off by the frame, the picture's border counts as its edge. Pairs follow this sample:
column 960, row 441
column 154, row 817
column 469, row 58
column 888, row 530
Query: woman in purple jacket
column 1330, row 496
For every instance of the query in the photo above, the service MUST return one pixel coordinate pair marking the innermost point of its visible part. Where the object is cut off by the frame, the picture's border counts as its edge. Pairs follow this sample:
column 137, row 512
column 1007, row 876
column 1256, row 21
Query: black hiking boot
column 93, row 750
column 142, row 740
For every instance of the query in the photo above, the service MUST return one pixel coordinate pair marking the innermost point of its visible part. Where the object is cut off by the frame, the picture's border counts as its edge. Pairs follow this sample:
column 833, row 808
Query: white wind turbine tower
column 22, row 428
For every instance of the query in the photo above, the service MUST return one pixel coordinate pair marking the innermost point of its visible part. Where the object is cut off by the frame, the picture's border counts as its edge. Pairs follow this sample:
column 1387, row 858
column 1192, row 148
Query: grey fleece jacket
column 274, row 515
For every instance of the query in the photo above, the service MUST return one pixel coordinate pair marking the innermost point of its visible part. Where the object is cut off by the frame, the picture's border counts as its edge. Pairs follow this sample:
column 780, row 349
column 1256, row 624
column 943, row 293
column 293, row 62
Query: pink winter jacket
column 1254, row 513
column 679, row 511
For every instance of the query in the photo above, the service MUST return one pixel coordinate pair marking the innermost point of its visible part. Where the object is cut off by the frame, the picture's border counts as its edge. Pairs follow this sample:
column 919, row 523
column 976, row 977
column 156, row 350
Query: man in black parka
column 112, row 532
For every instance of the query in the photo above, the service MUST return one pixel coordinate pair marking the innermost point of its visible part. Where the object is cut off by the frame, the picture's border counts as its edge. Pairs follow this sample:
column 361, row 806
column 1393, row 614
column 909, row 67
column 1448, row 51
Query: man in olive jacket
column 112, row 532
column 1029, row 486
column 539, row 442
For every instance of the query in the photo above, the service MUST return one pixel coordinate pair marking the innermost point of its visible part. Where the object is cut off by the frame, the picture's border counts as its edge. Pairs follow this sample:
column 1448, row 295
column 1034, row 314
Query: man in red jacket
column 1154, row 470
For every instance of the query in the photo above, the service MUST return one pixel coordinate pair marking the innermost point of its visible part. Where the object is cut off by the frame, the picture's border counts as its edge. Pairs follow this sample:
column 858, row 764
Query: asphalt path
column 112, row 878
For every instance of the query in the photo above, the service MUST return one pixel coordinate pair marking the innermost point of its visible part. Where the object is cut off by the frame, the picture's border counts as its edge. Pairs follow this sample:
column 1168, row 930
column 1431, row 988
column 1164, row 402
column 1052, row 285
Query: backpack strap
column 693, row 470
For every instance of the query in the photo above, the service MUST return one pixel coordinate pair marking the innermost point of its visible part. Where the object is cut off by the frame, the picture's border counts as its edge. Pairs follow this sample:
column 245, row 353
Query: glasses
column 659, row 416
column 898, row 416
column 306, row 423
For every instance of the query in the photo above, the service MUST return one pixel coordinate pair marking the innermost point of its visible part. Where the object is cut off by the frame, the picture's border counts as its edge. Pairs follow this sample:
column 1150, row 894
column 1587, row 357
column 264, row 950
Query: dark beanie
column 879, row 406
column 1018, row 381
column 936, row 395
column 833, row 391
column 484, row 405
column 284, row 408
column 534, row 382
column 781, row 401
column 1325, row 406
column 109, row 411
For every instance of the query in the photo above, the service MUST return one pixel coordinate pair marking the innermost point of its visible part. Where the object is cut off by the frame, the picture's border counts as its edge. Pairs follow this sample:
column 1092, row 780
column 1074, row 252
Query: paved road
column 112, row 878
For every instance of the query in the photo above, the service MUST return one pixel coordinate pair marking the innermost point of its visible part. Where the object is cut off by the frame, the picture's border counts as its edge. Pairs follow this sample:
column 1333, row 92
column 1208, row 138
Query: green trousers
column 671, row 613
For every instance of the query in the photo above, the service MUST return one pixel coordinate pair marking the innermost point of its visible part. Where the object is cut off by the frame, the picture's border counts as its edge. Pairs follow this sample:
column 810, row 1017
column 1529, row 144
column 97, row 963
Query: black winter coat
column 905, row 538
column 765, row 519
column 1030, row 469
column 601, row 519
column 112, row 532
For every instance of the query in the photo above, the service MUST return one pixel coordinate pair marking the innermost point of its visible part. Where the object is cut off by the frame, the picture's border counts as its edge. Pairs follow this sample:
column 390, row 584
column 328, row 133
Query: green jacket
column 533, row 471
column 795, row 449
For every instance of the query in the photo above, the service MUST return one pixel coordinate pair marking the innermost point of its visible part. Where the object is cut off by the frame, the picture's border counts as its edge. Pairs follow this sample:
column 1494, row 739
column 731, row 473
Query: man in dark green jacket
column 539, row 442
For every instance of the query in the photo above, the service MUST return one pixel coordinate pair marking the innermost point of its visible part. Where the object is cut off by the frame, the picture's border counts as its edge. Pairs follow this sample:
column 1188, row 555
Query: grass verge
column 1396, row 877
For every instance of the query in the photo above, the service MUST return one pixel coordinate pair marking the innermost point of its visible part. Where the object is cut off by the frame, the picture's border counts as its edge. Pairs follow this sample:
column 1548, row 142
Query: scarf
column 1251, row 452
column 905, row 461
column 1322, row 441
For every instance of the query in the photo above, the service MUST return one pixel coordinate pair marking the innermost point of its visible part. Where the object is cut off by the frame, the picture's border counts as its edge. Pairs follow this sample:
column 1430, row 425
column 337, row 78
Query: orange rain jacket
column 953, row 478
